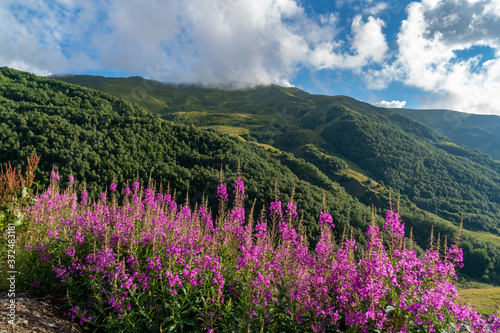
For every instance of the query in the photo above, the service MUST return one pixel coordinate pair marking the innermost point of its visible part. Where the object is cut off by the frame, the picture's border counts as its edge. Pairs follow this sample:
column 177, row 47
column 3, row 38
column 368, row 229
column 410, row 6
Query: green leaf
column 389, row 309
column 168, row 319
column 188, row 322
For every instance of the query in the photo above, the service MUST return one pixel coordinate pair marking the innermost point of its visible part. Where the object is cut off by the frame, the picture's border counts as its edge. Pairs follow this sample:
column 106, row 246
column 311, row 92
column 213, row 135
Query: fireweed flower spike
column 126, row 191
column 326, row 218
column 54, row 176
column 291, row 210
column 239, row 189
column 275, row 208
column 222, row 192
column 84, row 198
column 136, row 186
column 221, row 189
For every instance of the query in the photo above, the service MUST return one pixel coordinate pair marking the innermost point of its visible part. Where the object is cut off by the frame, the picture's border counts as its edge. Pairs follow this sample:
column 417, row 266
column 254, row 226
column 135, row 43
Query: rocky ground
column 34, row 314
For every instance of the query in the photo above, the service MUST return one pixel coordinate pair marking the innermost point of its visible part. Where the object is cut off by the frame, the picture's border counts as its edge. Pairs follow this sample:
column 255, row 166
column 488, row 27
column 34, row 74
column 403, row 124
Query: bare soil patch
column 35, row 314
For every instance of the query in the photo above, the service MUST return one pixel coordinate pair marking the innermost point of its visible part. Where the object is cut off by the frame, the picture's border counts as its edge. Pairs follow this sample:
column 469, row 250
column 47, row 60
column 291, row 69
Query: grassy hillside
column 484, row 300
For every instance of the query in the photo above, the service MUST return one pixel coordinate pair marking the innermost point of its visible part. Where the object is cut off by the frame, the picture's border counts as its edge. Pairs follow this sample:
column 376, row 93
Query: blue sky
column 412, row 54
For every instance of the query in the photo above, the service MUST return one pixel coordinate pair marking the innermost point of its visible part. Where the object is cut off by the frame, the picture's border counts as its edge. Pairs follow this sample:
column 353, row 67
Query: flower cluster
column 275, row 208
column 326, row 218
column 54, row 175
column 155, row 263
column 222, row 192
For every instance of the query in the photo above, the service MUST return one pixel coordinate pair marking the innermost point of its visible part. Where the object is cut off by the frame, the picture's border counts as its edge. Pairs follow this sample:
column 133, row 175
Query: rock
column 48, row 323
column 22, row 322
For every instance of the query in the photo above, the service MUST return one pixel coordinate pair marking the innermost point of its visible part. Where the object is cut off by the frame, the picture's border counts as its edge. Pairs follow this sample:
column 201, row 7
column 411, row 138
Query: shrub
column 15, row 191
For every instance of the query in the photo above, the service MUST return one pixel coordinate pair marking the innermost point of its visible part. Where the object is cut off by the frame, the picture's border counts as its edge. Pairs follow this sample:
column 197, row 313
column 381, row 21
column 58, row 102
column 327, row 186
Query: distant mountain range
column 481, row 132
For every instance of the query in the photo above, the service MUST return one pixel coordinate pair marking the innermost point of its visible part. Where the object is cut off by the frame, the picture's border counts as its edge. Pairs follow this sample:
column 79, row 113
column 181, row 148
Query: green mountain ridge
column 387, row 146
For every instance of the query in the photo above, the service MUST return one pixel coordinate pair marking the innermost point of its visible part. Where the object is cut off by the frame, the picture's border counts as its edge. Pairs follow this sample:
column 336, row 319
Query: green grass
column 268, row 147
column 353, row 166
column 234, row 131
column 484, row 300
column 217, row 120
column 451, row 144
column 487, row 237
column 362, row 179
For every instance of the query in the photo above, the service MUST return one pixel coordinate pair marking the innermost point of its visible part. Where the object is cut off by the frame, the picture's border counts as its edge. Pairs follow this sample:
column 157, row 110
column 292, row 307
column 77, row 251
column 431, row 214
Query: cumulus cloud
column 367, row 43
column 376, row 8
column 223, row 42
column 392, row 104
column 429, row 43
column 369, row 40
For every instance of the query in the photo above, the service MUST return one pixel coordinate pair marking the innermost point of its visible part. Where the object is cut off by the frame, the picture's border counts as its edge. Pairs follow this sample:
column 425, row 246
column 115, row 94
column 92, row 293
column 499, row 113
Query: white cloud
column 376, row 8
column 369, row 40
column 221, row 42
column 22, row 66
column 368, row 45
column 38, row 36
column 356, row 5
column 392, row 104
column 428, row 44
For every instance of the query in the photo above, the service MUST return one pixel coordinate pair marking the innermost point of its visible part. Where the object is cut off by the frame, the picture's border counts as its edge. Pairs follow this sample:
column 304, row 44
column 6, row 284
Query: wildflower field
column 136, row 259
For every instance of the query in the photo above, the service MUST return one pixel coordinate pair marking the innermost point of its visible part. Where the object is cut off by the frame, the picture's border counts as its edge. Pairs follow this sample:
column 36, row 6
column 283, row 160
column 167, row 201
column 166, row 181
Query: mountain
column 100, row 138
column 381, row 145
column 481, row 132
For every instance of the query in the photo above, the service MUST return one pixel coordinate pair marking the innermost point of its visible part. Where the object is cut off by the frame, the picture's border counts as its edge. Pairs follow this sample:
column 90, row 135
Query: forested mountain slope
column 392, row 149
column 98, row 137
column 477, row 131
